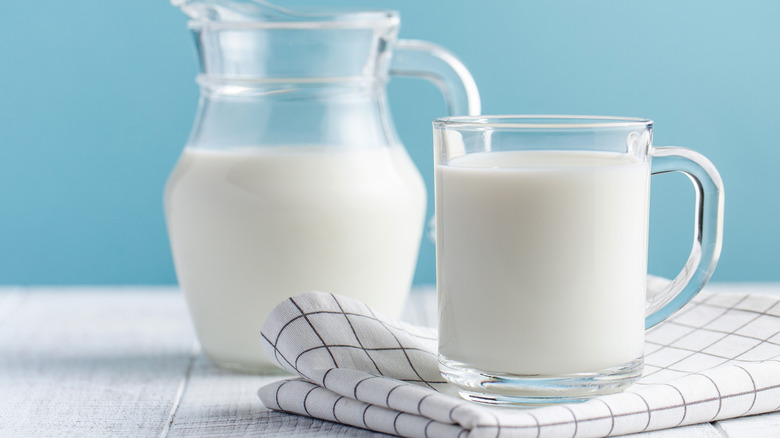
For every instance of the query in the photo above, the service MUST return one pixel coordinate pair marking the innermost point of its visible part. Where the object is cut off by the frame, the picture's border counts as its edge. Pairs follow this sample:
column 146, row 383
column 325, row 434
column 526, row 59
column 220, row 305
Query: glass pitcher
column 293, row 177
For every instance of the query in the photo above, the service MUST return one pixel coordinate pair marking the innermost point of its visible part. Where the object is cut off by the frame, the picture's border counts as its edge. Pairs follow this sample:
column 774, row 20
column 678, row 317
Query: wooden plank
column 765, row 425
column 93, row 362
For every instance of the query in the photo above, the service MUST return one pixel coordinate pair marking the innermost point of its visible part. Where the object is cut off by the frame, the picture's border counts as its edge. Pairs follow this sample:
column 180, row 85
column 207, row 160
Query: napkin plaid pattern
column 717, row 358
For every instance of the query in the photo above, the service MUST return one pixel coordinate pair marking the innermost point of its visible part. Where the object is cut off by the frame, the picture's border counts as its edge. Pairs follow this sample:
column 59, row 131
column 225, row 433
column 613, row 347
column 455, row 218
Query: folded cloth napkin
column 716, row 358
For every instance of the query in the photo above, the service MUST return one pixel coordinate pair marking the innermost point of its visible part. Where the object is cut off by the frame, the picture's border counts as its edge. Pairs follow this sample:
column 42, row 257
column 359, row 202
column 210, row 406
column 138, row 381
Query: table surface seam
column 194, row 352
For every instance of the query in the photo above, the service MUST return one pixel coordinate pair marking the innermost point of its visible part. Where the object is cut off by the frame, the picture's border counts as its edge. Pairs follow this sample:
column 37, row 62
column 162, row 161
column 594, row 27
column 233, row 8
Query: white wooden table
column 124, row 361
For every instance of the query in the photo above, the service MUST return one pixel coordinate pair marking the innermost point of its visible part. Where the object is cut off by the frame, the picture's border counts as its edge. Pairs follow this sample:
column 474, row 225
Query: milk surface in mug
column 541, row 260
column 251, row 227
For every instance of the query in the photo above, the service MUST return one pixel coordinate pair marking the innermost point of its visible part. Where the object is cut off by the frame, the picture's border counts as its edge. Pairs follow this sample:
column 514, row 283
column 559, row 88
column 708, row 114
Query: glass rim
column 312, row 19
column 551, row 122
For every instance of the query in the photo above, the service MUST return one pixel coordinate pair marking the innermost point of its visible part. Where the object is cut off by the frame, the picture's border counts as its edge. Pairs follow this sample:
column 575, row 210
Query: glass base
column 536, row 390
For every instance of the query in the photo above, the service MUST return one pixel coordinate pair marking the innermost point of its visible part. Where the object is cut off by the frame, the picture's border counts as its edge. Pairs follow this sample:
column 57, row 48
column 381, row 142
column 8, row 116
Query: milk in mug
column 252, row 226
column 541, row 260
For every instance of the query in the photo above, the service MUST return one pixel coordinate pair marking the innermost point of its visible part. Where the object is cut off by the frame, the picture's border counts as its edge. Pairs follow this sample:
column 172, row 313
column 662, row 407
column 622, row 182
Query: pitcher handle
column 708, row 230
column 422, row 59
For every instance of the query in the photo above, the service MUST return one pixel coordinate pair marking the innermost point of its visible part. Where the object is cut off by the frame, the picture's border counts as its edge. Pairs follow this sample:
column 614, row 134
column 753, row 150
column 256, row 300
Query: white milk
column 251, row 227
column 541, row 269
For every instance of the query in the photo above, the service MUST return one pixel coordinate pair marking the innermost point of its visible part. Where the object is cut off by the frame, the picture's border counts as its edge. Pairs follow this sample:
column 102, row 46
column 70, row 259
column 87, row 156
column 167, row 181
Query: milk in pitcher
column 252, row 226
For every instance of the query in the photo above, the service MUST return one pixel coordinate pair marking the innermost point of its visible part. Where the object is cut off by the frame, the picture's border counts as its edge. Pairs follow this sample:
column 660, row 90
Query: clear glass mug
column 541, row 252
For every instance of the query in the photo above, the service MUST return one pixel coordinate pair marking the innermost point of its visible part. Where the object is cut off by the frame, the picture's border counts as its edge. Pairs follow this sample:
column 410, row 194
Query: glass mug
column 541, row 252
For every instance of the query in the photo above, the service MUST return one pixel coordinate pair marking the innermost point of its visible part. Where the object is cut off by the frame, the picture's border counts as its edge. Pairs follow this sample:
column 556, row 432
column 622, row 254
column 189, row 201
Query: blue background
column 98, row 98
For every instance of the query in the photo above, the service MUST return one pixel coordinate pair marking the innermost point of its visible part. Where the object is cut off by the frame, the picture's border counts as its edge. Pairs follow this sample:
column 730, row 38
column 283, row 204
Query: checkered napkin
column 717, row 358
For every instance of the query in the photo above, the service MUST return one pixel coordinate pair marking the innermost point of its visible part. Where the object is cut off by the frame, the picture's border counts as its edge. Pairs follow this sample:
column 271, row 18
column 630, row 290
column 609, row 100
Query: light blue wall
column 98, row 97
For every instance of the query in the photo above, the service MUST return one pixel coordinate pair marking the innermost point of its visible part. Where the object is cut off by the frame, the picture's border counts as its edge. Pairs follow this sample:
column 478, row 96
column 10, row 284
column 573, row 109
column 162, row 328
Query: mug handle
column 421, row 59
column 708, row 231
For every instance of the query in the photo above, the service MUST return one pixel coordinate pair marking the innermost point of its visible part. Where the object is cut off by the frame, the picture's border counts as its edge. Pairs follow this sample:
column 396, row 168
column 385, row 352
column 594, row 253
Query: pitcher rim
column 358, row 19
